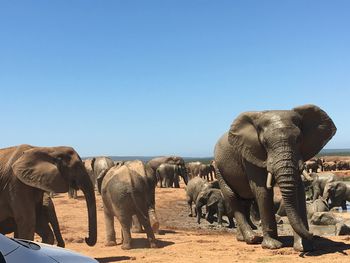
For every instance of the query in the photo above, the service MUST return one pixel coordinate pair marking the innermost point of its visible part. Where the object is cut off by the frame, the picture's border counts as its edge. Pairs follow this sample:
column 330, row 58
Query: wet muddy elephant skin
column 26, row 172
column 338, row 193
column 46, row 225
column 126, row 191
column 267, row 147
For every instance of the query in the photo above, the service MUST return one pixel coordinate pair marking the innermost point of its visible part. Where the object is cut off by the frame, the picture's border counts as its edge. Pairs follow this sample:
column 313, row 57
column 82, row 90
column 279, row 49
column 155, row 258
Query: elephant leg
column 247, row 206
column 25, row 221
column 144, row 220
column 52, row 219
column 125, row 222
column 110, row 232
column 189, row 202
column 136, row 226
column 249, row 236
column 45, row 232
column 268, row 220
column 301, row 244
column 343, row 205
column 231, row 222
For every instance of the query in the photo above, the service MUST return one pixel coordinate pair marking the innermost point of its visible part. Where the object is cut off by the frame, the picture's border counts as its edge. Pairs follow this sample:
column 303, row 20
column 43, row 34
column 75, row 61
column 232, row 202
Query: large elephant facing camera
column 267, row 147
column 27, row 171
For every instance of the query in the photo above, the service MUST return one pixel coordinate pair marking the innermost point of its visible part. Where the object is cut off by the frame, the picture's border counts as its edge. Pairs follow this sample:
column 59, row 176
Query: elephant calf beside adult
column 265, row 147
column 26, row 172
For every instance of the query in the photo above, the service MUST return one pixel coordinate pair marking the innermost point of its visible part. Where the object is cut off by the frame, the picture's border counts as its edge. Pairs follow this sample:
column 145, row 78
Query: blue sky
column 165, row 77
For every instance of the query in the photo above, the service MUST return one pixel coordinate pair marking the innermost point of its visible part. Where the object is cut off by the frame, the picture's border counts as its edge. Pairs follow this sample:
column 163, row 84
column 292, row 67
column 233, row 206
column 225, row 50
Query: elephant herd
column 330, row 163
column 261, row 151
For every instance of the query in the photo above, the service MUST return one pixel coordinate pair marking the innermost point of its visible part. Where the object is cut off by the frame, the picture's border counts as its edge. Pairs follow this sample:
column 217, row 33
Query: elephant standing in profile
column 207, row 171
column 338, row 193
column 329, row 166
column 46, row 226
column 126, row 191
column 26, row 172
column 267, row 147
column 156, row 162
column 168, row 175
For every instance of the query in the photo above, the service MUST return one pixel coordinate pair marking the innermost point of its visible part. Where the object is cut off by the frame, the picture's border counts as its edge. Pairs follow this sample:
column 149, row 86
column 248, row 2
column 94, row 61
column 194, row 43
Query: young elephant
column 168, row 175
column 194, row 188
column 338, row 193
column 215, row 203
column 126, row 191
column 45, row 216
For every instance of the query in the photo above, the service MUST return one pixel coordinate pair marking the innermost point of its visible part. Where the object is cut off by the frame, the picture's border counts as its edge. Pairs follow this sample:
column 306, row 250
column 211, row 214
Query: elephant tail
column 225, row 189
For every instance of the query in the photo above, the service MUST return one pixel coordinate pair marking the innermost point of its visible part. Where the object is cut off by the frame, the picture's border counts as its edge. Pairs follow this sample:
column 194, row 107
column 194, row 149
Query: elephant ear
column 243, row 135
column 37, row 168
column 317, row 129
column 214, row 198
column 339, row 191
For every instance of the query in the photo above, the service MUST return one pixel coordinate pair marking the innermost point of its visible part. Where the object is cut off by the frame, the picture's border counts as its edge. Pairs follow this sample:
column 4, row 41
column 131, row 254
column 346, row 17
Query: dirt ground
column 181, row 239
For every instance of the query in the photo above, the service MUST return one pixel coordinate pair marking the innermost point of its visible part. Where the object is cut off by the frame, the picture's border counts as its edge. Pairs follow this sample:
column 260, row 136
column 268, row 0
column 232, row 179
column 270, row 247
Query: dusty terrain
column 182, row 239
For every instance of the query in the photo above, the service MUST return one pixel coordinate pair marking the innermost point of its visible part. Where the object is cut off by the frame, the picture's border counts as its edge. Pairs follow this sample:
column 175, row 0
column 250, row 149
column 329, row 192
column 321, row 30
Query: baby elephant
column 215, row 203
column 338, row 193
column 126, row 191
column 194, row 187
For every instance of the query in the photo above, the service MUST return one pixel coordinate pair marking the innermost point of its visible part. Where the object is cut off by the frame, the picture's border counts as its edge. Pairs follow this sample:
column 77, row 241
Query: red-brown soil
column 182, row 239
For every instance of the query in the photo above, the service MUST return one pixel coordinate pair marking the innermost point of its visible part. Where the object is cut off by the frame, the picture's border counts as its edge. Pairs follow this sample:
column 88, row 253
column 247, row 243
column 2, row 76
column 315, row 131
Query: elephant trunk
column 288, row 186
column 89, row 194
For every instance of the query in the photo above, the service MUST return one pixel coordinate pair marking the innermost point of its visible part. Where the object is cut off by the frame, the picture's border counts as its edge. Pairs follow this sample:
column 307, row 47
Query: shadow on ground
column 322, row 246
column 144, row 243
column 112, row 259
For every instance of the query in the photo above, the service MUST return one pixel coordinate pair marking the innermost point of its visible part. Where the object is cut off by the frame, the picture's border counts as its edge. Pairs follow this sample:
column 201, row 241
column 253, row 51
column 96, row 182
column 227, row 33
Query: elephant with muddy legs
column 46, row 226
column 126, row 191
column 168, row 175
column 27, row 171
column 338, row 193
column 215, row 203
column 267, row 147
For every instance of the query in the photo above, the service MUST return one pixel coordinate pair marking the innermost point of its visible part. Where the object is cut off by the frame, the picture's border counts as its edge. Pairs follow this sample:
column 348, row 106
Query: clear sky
column 165, row 77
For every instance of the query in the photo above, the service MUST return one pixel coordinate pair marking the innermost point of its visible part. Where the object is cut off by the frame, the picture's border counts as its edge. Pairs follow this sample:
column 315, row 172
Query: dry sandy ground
column 181, row 239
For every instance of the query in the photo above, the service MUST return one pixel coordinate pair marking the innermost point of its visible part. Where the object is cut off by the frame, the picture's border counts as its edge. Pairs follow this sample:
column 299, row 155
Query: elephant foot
column 126, row 246
column 252, row 238
column 190, row 215
column 110, row 243
column 239, row 235
column 61, row 244
column 303, row 245
column 271, row 243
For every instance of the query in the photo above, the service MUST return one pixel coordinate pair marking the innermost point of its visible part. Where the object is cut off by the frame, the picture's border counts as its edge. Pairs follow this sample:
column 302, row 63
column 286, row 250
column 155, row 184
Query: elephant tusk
column 269, row 181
